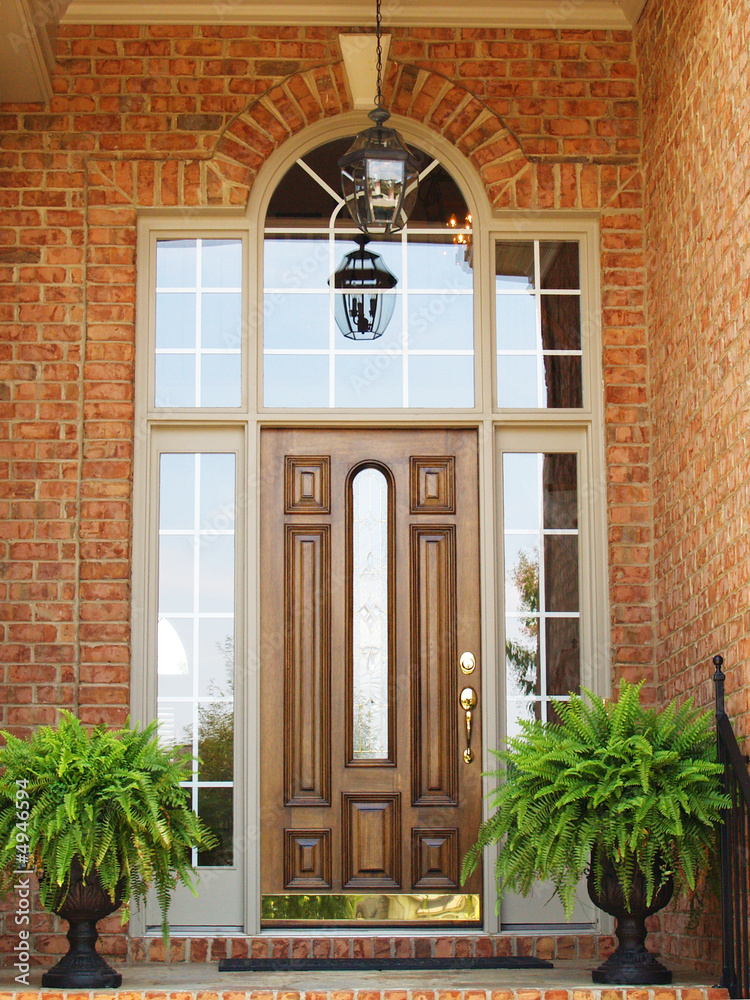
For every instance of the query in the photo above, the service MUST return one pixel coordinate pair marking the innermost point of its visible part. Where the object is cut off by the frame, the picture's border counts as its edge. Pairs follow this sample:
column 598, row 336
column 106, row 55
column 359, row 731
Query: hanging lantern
column 361, row 310
column 379, row 174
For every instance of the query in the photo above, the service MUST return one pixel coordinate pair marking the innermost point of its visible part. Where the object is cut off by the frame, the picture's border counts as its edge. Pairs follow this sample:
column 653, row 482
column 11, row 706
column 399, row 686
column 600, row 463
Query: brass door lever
column 468, row 699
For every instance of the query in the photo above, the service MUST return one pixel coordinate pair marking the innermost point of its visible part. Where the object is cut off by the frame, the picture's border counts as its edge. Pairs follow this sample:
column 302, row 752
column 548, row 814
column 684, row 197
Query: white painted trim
column 27, row 57
column 615, row 14
column 359, row 53
column 633, row 10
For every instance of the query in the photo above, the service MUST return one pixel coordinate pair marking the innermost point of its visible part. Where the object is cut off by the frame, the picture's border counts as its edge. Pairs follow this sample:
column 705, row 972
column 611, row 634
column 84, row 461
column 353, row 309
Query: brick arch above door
column 235, row 155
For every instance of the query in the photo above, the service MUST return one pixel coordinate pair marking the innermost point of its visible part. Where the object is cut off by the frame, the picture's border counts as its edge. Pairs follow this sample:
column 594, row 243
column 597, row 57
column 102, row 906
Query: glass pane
column 370, row 671
column 558, row 263
column 563, row 655
column 194, row 320
column 216, row 585
column 176, row 574
column 215, row 808
column 522, row 573
column 516, row 322
column 514, row 265
column 296, row 321
column 370, row 380
column 560, row 491
column 391, row 338
column 215, row 741
column 517, row 384
column 561, row 572
column 216, row 492
column 522, row 656
column 177, row 508
column 175, row 380
column 561, row 322
column 175, row 320
column 176, row 263
column 518, row 710
column 521, row 491
column 295, row 380
column 221, row 263
column 221, row 314
column 216, row 657
column 562, row 378
column 436, row 262
column 296, row 261
column 441, row 321
column 174, row 656
column 176, row 724
column 221, row 380
column 441, row 381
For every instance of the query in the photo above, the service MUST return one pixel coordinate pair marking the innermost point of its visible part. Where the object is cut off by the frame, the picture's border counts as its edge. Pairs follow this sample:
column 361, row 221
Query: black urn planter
column 631, row 964
column 85, row 902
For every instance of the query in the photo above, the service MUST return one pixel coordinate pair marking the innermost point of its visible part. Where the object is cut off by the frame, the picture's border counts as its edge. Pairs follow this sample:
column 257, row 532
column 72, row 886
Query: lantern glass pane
column 385, row 186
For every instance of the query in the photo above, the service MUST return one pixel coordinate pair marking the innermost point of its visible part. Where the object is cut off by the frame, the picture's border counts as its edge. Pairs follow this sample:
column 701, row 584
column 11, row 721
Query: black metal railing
column 734, row 842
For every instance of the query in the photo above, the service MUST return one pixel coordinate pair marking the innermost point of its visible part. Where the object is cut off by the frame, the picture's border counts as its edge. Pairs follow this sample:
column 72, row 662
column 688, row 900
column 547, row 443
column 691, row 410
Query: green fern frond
column 112, row 799
column 610, row 778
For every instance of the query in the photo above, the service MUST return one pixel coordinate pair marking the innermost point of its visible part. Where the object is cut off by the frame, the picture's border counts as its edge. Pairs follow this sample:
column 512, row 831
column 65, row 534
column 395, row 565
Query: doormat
column 379, row 964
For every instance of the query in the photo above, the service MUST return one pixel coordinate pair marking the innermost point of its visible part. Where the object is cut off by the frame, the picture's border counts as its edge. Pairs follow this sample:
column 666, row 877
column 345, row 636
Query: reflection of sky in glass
column 176, row 262
column 198, row 325
column 517, row 381
column 298, row 316
column 516, row 322
column 521, row 491
column 221, row 263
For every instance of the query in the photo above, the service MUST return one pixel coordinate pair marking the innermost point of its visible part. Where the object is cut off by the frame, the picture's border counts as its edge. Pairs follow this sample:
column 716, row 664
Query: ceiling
column 28, row 27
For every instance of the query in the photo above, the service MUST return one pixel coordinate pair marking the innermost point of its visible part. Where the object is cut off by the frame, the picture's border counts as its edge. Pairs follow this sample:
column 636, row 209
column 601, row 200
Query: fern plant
column 610, row 779
column 111, row 799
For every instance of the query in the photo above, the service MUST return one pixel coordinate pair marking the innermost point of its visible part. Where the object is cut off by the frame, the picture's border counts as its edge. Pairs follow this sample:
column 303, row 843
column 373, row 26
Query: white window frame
column 512, row 429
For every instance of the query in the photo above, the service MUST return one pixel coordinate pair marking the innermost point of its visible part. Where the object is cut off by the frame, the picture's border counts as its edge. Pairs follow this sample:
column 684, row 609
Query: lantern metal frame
column 361, row 310
column 379, row 173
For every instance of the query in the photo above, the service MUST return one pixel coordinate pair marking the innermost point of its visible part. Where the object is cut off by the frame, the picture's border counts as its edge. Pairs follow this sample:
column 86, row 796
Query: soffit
column 619, row 14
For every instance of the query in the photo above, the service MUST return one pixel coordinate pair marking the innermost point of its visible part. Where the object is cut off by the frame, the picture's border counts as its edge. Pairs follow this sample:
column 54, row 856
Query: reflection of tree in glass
column 524, row 658
column 302, row 906
column 216, row 754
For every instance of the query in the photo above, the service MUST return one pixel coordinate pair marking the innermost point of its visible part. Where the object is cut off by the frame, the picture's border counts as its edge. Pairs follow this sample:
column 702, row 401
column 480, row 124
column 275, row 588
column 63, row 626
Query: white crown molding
column 27, row 38
column 582, row 14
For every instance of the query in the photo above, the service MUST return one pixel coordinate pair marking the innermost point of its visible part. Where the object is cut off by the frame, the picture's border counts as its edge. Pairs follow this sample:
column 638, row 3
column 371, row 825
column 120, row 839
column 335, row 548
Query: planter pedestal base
column 83, row 968
column 85, row 902
column 632, row 964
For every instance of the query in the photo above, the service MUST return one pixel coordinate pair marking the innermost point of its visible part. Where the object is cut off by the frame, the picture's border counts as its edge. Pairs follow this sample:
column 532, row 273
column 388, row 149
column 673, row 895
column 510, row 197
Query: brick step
column 553, row 947
column 540, row 992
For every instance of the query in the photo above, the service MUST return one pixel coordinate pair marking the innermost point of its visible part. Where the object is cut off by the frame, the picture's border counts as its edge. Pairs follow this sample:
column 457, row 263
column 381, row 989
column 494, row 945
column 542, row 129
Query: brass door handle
column 468, row 700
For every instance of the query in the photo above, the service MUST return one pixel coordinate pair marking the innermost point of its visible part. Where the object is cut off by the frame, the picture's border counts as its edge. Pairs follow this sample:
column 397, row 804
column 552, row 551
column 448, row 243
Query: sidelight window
column 196, row 632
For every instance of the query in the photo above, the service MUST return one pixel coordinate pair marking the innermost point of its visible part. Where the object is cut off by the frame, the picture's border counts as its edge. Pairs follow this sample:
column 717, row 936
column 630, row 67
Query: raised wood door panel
column 400, row 822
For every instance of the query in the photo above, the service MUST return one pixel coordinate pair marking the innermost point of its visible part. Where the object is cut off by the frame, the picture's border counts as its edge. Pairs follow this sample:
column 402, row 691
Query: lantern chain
column 380, row 52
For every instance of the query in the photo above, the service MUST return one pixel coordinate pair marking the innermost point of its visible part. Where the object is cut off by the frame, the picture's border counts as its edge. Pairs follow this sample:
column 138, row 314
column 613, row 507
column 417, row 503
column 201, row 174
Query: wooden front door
column 369, row 609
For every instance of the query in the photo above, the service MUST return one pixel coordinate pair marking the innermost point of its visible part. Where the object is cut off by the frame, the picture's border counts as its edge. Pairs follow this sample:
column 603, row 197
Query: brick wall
column 693, row 59
column 185, row 116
